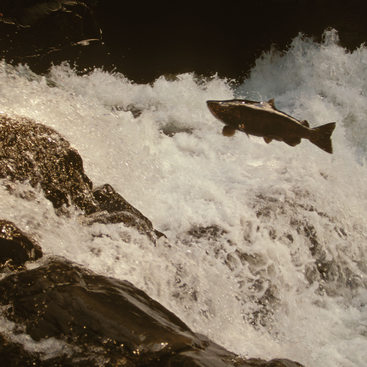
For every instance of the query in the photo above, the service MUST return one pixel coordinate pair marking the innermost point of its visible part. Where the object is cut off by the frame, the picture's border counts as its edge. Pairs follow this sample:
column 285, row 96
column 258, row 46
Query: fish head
column 229, row 112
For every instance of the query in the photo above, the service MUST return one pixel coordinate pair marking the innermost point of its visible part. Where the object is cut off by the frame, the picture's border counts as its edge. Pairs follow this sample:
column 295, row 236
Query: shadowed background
column 145, row 41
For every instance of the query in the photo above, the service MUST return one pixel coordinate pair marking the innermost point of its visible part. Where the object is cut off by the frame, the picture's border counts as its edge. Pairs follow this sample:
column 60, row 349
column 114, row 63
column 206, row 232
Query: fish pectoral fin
column 292, row 141
column 267, row 139
column 228, row 130
column 305, row 123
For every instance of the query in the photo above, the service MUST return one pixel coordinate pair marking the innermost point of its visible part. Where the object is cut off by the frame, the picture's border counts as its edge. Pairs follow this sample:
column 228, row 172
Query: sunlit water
column 280, row 270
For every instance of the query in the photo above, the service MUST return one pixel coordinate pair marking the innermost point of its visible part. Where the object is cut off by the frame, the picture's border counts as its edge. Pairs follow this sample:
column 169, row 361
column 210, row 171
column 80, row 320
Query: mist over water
column 266, row 247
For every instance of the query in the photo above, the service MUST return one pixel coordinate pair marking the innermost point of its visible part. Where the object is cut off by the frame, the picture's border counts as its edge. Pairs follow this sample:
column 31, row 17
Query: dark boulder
column 34, row 153
column 38, row 154
column 113, row 208
column 42, row 32
column 105, row 322
column 15, row 247
column 13, row 354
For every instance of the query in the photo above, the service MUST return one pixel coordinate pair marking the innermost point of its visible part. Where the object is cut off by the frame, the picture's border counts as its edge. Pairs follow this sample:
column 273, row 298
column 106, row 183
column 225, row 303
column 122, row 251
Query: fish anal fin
column 292, row 140
column 267, row 139
column 305, row 123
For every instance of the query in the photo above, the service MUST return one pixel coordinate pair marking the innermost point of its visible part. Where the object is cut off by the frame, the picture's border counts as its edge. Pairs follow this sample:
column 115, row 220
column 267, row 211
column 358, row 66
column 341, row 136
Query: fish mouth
column 213, row 107
column 211, row 104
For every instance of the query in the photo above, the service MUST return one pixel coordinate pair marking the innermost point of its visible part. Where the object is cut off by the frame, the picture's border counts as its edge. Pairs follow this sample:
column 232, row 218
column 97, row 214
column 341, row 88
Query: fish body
column 264, row 120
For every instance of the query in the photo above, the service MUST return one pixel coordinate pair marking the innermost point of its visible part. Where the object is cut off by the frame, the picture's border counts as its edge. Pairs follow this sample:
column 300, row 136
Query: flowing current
column 266, row 244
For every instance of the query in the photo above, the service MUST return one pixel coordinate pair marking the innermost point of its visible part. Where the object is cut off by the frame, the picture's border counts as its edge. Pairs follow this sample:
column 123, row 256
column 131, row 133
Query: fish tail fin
column 321, row 136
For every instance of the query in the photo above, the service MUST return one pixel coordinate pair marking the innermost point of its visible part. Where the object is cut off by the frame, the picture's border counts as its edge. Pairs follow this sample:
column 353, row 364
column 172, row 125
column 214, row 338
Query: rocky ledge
column 92, row 320
column 34, row 153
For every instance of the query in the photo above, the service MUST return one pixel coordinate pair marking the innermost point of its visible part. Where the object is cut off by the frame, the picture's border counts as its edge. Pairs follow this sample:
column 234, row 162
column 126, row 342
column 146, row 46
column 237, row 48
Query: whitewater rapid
column 266, row 244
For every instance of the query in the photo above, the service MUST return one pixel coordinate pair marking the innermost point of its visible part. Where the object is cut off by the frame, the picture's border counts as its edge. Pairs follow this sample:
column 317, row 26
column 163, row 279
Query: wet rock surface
column 101, row 321
column 113, row 208
column 15, row 247
column 33, row 153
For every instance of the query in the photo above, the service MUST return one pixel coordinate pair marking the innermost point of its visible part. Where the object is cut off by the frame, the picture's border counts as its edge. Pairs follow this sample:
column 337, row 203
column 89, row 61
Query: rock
column 119, row 210
column 15, row 247
column 42, row 32
column 34, row 153
column 103, row 322
column 38, row 154
column 14, row 355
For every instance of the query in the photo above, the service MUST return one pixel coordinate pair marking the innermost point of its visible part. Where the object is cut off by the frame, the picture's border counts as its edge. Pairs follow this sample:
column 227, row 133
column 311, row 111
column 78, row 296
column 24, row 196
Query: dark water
column 146, row 41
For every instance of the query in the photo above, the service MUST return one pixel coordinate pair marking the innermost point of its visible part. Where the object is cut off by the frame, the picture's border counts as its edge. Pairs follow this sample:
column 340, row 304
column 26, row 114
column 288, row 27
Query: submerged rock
column 115, row 209
column 103, row 322
column 15, row 247
column 34, row 153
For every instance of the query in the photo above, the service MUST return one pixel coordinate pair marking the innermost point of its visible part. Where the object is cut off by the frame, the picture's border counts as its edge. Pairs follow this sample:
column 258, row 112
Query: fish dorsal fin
column 267, row 139
column 272, row 102
column 305, row 123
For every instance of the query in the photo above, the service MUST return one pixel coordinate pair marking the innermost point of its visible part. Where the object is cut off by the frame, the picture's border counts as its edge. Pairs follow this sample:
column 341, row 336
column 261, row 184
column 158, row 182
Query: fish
column 263, row 119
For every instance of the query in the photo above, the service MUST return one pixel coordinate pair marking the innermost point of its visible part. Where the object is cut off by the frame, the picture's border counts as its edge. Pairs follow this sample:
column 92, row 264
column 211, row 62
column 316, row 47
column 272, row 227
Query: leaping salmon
column 264, row 120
